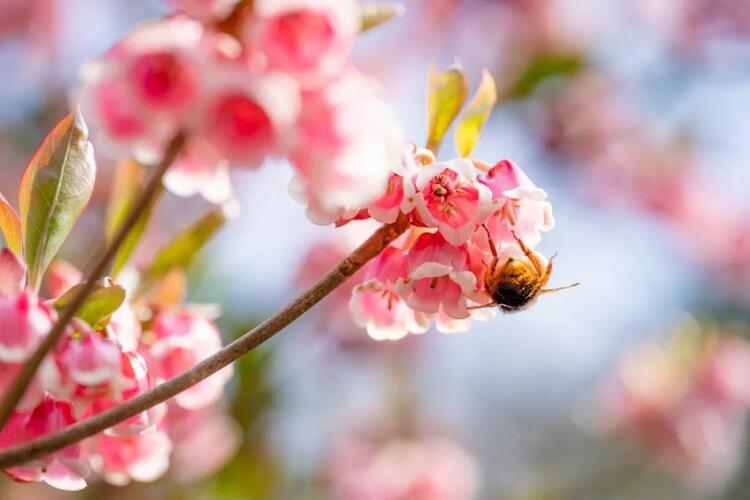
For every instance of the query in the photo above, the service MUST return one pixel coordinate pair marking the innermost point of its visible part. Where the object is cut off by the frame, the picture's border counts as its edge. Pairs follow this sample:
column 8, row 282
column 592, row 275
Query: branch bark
column 26, row 374
column 36, row 448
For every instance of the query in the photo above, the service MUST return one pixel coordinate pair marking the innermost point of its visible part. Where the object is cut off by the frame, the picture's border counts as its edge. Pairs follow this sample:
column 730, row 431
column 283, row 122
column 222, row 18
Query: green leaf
column 55, row 188
column 445, row 98
column 479, row 109
column 99, row 305
column 542, row 68
column 10, row 226
column 179, row 252
column 375, row 13
column 130, row 178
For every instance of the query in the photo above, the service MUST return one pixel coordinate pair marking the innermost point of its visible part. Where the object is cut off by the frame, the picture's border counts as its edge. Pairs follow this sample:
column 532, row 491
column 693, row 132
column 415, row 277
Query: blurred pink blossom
column 429, row 468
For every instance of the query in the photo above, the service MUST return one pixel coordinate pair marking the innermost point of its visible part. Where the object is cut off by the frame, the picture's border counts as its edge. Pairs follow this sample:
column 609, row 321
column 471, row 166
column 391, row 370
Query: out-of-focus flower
column 206, row 10
column 126, row 328
column 689, row 25
column 119, row 459
column 34, row 393
column 308, row 39
column 182, row 338
column 61, row 277
column 65, row 469
column 12, row 273
column 430, row 468
column 348, row 142
column 142, row 91
column 24, row 321
column 246, row 116
column 204, row 440
column 33, row 20
column 200, row 170
column 681, row 403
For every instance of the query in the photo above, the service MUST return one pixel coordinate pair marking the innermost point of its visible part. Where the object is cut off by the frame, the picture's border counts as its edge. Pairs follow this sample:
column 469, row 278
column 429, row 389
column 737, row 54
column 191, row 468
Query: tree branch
column 36, row 448
column 26, row 374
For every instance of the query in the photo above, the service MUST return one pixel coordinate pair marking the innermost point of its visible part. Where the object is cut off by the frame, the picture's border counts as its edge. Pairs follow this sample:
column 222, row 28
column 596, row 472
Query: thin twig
column 28, row 370
column 36, row 448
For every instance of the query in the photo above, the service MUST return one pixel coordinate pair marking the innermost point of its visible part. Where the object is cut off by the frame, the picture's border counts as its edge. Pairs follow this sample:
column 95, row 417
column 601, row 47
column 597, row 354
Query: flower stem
column 20, row 383
column 36, row 448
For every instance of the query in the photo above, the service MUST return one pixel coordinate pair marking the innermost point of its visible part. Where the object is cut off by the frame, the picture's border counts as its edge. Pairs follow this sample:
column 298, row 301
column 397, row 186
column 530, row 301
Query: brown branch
column 36, row 448
column 26, row 374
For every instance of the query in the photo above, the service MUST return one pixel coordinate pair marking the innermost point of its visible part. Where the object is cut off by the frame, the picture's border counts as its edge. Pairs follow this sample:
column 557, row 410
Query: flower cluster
column 435, row 273
column 685, row 403
column 247, row 83
column 97, row 366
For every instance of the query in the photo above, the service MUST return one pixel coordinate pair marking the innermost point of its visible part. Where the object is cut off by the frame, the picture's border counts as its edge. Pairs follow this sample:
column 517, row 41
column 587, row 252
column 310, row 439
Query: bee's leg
column 553, row 290
column 484, row 306
column 492, row 245
column 547, row 274
column 533, row 258
column 490, row 271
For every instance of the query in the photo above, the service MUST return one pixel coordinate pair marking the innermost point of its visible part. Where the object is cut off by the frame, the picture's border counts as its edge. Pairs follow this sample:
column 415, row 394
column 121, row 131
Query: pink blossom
column 204, row 440
column 399, row 194
column 146, row 87
column 126, row 327
column 520, row 208
column 452, row 199
column 85, row 368
column 34, row 393
column 24, row 321
column 182, row 339
column 247, row 116
column 206, row 10
column 142, row 457
column 376, row 306
column 64, row 469
column 439, row 277
column 309, row 39
column 201, row 169
column 348, row 142
column 402, row 469
column 725, row 368
column 12, row 273
column 135, row 380
column 678, row 403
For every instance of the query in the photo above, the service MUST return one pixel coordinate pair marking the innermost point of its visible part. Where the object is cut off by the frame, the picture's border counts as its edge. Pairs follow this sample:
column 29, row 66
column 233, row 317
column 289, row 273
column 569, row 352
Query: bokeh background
column 632, row 114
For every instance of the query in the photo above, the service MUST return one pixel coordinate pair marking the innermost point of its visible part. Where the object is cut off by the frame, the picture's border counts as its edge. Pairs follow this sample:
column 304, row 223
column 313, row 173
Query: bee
column 516, row 283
